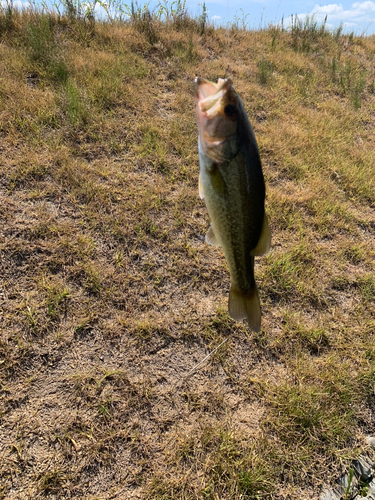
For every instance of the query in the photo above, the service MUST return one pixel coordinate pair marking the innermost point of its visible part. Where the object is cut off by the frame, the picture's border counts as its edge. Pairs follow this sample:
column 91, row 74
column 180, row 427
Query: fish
column 232, row 185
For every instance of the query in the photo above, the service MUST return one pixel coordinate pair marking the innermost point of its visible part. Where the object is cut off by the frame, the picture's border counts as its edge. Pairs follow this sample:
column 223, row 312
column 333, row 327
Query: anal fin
column 264, row 243
column 211, row 238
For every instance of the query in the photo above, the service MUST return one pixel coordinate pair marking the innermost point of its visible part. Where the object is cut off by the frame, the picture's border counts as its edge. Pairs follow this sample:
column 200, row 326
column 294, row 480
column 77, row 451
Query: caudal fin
column 245, row 306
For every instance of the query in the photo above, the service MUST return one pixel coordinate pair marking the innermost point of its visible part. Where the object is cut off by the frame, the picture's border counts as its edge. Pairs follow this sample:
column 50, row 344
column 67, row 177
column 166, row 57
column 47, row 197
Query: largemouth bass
column 232, row 185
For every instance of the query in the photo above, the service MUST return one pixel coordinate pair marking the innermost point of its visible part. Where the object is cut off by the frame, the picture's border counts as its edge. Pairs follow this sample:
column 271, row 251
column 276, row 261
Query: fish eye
column 229, row 110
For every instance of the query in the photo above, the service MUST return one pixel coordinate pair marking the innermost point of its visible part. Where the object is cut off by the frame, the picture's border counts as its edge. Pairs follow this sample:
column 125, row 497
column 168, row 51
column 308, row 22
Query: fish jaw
column 217, row 108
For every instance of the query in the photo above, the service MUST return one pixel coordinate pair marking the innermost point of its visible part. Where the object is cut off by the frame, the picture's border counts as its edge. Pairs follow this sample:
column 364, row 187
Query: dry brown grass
column 109, row 295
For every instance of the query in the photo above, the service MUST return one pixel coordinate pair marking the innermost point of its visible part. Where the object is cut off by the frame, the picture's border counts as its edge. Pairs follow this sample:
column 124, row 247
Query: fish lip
column 206, row 90
column 209, row 95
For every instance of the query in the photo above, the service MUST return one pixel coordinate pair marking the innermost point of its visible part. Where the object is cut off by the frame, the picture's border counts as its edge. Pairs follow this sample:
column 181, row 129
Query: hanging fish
column 232, row 185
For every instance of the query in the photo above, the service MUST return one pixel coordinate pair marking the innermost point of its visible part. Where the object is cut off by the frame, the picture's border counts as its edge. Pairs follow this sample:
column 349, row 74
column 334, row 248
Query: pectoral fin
column 200, row 188
column 211, row 238
column 264, row 243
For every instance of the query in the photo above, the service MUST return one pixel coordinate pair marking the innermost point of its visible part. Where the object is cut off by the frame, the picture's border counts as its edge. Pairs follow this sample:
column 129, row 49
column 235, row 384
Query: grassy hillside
column 109, row 295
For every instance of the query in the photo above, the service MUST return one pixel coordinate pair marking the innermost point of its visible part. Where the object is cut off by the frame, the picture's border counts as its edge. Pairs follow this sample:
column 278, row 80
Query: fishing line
column 227, row 22
column 227, row 34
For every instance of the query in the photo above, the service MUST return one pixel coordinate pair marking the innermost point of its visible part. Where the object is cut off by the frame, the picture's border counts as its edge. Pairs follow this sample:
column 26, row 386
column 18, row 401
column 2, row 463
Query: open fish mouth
column 209, row 94
column 218, row 107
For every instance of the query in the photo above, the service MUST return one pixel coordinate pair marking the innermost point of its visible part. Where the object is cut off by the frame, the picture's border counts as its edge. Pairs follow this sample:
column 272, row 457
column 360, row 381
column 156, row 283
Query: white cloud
column 215, row 18
column 21, row 5
column 365, row 6
column 17, row 4
column 359, row 12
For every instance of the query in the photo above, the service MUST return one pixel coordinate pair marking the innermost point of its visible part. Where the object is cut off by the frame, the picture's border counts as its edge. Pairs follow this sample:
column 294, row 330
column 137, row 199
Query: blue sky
column 357, row 17
column 354, row 16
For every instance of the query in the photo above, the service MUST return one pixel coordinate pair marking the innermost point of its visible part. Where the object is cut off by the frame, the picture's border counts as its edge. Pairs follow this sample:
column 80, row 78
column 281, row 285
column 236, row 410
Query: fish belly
column 229, row 208
column 230, row 204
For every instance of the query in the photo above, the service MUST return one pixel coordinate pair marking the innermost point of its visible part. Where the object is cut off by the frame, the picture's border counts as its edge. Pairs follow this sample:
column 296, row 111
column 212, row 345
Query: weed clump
column 266, row 69
column 7, row 15
column 307, row 33
column 42, row 47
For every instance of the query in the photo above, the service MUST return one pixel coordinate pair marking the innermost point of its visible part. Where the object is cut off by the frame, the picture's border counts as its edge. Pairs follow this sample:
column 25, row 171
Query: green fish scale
column 234, row 195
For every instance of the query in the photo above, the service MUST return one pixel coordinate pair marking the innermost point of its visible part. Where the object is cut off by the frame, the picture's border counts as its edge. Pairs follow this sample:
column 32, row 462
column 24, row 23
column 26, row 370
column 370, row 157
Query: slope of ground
column 109, row 295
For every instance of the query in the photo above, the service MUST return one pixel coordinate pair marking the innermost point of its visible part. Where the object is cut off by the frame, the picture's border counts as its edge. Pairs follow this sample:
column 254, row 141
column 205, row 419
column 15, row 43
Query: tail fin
column 245, row 306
